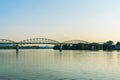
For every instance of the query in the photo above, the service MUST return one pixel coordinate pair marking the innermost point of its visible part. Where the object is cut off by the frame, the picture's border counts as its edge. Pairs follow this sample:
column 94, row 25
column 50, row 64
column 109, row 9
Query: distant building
column 92, row 47
column 117, row 47
column 48, row 47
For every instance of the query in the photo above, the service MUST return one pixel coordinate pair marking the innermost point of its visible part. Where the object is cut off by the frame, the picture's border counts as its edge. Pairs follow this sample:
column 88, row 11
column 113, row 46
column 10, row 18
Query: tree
column 118, row 43
column 108, row 45
column 109, row 42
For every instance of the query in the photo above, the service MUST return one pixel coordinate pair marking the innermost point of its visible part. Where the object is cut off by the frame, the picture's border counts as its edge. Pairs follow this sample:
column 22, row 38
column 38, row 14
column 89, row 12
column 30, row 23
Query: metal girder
column 39, row 41
column 74, row 42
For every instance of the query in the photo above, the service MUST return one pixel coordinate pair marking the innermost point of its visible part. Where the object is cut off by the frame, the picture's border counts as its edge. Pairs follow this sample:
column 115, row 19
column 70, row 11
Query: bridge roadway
column 40, row 41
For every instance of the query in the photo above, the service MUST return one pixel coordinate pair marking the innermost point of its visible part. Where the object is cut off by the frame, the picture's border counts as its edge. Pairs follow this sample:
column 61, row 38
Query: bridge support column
column 17, row 48
column 61, row 48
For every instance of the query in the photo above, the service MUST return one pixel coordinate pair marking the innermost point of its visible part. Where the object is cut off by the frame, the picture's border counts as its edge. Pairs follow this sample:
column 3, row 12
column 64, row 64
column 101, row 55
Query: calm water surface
column 53, row 65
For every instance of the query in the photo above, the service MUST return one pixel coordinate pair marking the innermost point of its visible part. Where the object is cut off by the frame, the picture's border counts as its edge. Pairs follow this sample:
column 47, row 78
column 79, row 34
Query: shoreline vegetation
column 109, row 45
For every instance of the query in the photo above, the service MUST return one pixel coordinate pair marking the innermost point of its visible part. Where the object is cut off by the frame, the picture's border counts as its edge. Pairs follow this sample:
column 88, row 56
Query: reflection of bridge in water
column 40, row 41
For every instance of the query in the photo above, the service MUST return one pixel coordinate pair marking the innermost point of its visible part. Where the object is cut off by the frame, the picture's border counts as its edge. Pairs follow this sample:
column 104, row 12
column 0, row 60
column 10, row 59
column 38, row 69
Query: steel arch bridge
column 39, row 41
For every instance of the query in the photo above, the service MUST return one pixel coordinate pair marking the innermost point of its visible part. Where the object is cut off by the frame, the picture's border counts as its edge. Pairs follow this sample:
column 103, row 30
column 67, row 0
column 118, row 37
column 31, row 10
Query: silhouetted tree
column 109, row 42
column 108, row 45
column 118, row 43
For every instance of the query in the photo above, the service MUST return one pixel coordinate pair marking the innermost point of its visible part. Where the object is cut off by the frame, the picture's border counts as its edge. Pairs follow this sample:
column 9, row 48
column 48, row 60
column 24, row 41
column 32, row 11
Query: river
column 43, row 64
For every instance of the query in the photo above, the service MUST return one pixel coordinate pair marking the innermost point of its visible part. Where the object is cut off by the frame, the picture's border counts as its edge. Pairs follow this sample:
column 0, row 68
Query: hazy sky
column 89, row 20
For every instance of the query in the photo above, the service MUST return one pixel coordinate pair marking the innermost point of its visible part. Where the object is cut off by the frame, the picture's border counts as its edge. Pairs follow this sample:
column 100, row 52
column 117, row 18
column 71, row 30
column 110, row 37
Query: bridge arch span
column 74, row 42
column 39, row 41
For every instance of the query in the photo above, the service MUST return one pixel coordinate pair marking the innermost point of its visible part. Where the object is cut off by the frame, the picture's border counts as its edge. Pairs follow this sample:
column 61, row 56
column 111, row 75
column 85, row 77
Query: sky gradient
column 89, row 20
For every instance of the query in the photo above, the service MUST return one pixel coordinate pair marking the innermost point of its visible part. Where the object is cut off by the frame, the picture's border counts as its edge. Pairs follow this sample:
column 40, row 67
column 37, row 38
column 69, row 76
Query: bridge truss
column 74, row 42
column 41, row 41
column 6, row 41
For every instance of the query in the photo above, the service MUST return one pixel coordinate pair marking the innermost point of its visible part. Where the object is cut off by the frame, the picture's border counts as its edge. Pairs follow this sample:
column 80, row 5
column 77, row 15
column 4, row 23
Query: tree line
column 108, row 45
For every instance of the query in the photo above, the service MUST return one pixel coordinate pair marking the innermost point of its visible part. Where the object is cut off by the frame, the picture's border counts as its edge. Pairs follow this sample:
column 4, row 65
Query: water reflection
column 17, row 53
column 55, row 65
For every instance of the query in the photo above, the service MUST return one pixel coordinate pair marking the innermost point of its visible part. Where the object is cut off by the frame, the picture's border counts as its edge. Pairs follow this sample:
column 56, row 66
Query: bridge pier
column 61, row 48
column 17, row 48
